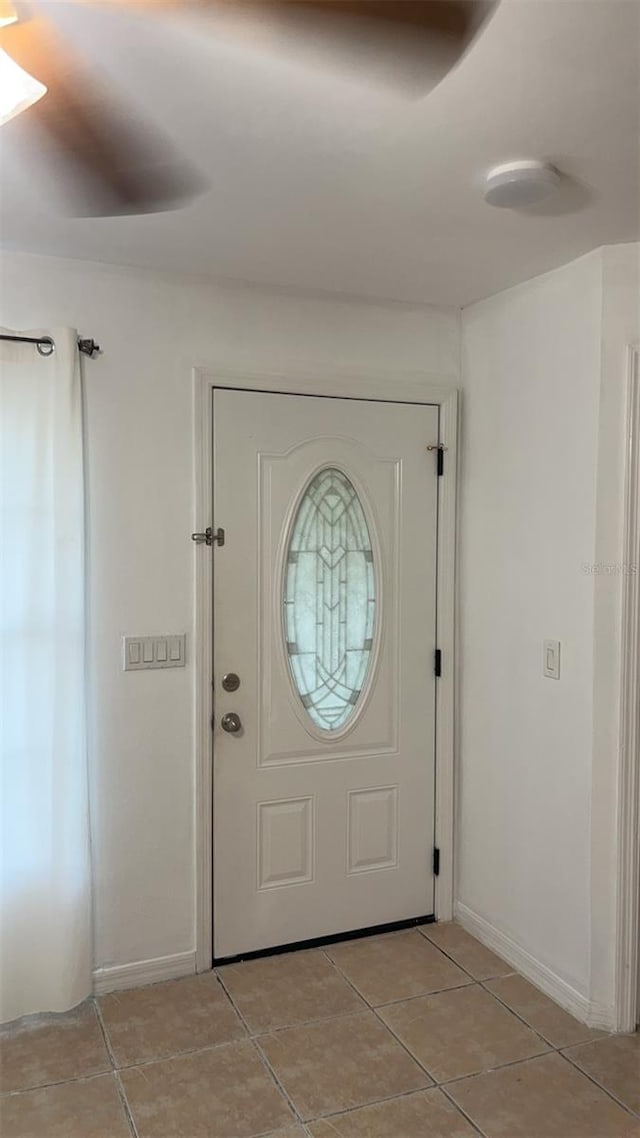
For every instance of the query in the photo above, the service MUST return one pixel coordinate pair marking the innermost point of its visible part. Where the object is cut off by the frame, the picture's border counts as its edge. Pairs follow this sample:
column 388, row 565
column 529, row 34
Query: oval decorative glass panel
column 329, row 599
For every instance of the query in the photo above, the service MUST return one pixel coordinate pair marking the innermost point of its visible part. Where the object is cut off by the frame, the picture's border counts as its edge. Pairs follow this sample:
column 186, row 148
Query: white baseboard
column 569, row 998
column 139, row 972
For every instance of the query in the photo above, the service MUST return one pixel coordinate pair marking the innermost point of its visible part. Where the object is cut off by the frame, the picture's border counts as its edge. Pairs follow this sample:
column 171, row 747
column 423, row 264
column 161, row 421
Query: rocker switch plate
column 140, row 652
column 551, row 659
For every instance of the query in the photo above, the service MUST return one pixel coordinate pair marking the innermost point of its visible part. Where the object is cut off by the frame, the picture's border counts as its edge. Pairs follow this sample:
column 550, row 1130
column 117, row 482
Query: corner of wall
column 532, row 377
column 543, row 977
column 140, row 972
column 620, row 328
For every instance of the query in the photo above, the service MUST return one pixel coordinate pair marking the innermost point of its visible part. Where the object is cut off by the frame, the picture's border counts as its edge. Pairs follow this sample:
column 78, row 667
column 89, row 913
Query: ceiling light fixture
column 516, row 184
column 18, row 89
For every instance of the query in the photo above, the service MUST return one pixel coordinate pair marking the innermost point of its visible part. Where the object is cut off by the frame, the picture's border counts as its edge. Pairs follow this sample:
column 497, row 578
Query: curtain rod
column 87, row 347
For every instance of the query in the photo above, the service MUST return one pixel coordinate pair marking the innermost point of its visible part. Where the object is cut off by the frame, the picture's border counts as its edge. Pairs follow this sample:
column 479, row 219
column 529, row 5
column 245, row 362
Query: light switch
column 153, row 652
column 551, row 659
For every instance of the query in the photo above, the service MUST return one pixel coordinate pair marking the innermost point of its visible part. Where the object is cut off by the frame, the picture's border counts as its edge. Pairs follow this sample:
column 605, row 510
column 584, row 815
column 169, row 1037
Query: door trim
column 425, row 389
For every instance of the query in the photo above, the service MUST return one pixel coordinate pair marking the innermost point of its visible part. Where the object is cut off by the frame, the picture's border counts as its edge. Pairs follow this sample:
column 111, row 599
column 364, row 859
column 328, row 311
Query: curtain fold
column 45, row 873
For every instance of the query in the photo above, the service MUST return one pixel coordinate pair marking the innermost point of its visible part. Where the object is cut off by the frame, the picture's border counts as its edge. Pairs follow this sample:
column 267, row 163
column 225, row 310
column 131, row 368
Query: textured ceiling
column 324, row 182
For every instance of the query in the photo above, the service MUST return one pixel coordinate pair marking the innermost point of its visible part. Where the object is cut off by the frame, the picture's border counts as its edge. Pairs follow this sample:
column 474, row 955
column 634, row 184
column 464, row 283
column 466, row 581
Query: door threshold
column 319, row 941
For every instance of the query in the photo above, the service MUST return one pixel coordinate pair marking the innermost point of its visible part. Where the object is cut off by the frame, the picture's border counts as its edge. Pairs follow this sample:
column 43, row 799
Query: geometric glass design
column 329, row 599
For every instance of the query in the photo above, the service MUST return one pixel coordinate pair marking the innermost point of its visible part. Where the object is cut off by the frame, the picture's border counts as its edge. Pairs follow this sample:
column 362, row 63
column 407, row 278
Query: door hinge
column 436, row 862
column 439, row 449
column 208, row 537
column 437, row 662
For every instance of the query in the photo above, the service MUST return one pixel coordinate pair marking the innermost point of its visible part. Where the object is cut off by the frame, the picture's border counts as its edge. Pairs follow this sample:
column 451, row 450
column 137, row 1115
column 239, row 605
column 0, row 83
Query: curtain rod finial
column 88, row 347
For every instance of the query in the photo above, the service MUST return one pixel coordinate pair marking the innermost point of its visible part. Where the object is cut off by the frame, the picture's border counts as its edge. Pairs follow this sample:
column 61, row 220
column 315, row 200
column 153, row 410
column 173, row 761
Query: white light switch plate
column 551, row 659
column 140, row 652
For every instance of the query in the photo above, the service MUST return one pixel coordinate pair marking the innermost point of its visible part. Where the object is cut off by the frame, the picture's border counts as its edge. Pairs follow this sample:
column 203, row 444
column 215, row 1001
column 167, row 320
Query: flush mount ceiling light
column 516, row 184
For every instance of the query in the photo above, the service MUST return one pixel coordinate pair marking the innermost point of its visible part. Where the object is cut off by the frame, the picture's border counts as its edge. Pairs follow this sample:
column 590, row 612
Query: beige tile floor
column 419, row 1034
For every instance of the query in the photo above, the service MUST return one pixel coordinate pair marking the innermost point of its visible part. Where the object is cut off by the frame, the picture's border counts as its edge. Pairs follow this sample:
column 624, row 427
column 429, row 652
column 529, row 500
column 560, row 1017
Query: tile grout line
column 74, row 1078
column 57, row 1083
column 453, row 960
column 125, row 1104
column 436, row 1083
column 366, row 1006
column 280, row 1086
column 197, row 1051
column 105, row 1035
column 272, row 1132
column 377, row 1102
column 518, row 1015
column 514, row 972
column 385, row 1025
column 179, row 1055
column 268, row 1031
column 482, row 984
column 463, row 1112
column 551, row 1049
column 118, row 1081
column 491, row 1070
column 138, row 1064
column 267, row 1065
column 304, row 1023
column 422, row 1066
column 533, row 1059
column 421, row 995
column 559, row 1050
column 571, row 1061
column 176, row 1055
column 260, row 1053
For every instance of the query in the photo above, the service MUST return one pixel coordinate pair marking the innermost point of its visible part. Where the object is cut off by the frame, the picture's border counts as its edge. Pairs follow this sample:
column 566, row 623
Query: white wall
column 152, row 330
column 543, row 408
column 543, row 402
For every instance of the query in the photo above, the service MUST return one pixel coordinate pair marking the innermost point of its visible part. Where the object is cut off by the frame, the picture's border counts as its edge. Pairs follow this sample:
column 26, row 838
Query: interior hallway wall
column 153, row 329
column 543, row 394
column 544, row 388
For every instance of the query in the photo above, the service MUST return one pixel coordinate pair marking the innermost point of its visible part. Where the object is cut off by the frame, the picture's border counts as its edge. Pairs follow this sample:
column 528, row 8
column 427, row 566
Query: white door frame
column 627, row 1003
column 428, row 389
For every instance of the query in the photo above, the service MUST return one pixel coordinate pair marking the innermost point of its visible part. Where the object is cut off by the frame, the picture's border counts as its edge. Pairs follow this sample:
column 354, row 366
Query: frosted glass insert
column 330, row 599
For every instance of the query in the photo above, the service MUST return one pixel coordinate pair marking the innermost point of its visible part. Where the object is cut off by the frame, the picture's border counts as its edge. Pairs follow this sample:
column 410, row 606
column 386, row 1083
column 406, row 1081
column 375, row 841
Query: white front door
column 325, row 610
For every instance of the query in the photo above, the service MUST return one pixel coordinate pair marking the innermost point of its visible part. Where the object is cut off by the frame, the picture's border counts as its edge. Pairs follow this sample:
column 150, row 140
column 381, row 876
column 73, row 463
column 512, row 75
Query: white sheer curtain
column 45, row 937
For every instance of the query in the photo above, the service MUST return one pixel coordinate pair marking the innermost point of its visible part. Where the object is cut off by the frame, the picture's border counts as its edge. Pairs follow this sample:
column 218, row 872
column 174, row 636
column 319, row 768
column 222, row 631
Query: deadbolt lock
column 230, row 682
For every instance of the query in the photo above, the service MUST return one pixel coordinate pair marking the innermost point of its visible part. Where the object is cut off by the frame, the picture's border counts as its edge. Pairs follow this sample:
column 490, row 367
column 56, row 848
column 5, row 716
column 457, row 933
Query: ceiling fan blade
column 425, row 17
column 409, row 43
column 113, row 164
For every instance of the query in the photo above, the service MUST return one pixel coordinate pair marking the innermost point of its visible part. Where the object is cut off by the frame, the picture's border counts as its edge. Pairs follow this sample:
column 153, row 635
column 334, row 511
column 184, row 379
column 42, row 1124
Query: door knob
column 231, row 722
